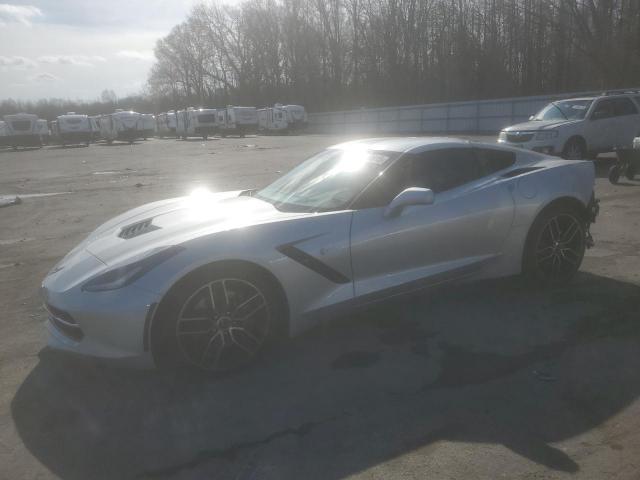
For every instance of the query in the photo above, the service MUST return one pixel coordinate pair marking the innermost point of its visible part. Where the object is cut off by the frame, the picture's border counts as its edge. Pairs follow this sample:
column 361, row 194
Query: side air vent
column 137, row 229
column 520, row 171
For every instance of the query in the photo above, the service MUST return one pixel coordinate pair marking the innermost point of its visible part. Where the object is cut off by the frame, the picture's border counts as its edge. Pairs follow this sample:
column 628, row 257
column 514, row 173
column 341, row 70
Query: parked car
column 212, row 278
column 579, row 127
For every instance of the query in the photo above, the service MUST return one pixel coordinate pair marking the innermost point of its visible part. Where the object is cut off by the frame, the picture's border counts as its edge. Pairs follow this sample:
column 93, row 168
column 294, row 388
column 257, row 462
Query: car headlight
column 503, row 136
column 122, row 276
column 546, row 134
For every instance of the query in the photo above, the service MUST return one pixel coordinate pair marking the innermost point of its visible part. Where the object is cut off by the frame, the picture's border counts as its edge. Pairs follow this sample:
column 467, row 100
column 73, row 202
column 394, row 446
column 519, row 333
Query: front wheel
column 218, row 321
column 574, row 150
column 555, row 246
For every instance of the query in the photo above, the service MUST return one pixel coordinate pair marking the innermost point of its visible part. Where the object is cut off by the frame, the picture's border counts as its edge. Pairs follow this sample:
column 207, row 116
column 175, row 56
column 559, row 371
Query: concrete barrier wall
column 483, row 116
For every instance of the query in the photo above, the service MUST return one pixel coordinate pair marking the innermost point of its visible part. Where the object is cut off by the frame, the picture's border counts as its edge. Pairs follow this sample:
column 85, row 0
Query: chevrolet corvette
column 212, row 279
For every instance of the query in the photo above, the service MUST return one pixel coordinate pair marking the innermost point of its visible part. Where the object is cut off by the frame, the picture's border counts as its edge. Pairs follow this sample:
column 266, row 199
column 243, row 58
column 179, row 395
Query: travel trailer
column 295, row 116
column 196, row 123
column 43, row 130
column 166, row 124
column 120, row 125
column 73, row 129
column 147, row 125
column 95, row 127
column 3, row 133
column 237, row 120
column 282, row 118
column 22, row 130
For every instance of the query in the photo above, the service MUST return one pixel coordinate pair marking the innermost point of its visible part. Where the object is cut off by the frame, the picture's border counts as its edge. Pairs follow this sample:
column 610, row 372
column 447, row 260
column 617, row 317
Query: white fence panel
column 484, row 116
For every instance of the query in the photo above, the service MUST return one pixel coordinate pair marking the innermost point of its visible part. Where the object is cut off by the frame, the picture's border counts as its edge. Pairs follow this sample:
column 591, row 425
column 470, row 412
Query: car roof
column 403, row 144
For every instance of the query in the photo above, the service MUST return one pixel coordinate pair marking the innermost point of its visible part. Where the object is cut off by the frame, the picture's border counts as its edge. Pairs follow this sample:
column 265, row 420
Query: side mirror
column 598, row 114
column 531, row 117
column 410, row 196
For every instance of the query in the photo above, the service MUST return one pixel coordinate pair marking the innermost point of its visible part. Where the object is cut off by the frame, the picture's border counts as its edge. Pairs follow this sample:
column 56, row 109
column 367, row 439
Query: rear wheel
column 631, row 172
column 555, row 246
column 218, row 320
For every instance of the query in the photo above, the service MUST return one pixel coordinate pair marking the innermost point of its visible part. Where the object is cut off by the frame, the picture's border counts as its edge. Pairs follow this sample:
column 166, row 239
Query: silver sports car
column 212, row 278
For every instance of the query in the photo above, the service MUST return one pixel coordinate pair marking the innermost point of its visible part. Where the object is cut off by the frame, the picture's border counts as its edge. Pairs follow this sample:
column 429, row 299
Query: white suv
column 579, row 127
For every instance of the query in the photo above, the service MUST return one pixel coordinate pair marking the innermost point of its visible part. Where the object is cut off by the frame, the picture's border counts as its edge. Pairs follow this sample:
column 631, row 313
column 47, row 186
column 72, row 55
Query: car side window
column 604, row 109
column 624, row 106
column 438, row 170
column 442, row 170
column 493, row 160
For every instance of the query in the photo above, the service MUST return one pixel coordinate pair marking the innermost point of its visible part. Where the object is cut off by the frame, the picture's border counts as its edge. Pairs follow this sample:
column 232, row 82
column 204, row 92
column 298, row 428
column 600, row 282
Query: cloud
column 146, row 55
column 79, row 60
column 44, row 77
column 23, row 14
column 16, row 62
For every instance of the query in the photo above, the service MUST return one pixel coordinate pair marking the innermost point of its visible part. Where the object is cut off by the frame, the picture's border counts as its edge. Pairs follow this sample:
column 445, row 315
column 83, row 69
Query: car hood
column 534, row 125
column 174, row 221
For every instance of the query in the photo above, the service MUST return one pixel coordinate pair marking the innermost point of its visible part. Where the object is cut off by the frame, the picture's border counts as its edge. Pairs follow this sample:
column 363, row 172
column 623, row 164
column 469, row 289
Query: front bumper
column 110, row 325
column 541, row 146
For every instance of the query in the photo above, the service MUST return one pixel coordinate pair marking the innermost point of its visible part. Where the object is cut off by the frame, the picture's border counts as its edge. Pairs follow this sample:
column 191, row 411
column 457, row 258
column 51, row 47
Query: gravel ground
column 484, row 381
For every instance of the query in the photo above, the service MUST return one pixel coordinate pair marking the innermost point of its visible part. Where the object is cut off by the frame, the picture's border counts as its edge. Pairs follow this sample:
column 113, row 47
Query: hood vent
column 137, row 229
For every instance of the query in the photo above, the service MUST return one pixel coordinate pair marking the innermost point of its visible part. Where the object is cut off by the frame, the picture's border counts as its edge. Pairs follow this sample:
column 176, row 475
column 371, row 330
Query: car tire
column 555, row 246
column 190, row 331
column 574, row 149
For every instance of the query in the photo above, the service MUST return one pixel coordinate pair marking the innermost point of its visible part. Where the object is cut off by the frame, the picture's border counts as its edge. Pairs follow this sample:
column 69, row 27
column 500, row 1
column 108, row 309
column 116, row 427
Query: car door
column 627, row 119
column 601, row 128
column 465, row 226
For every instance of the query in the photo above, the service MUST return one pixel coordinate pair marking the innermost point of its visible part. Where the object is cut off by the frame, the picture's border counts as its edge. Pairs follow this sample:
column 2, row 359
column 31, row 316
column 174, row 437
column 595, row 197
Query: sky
column 77, row 48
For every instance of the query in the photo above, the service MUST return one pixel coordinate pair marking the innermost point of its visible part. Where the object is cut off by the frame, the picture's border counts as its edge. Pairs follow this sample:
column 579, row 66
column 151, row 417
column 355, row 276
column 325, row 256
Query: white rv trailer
column 43, row 130
column 196, row 123
column 120, row 125
column 166, row 124
column 282, row 118
column 22, row 130
column 237, row 120
column 147, row 125
column 73, row 129
column 3, row 133
column 295, row 116
column 94, row 120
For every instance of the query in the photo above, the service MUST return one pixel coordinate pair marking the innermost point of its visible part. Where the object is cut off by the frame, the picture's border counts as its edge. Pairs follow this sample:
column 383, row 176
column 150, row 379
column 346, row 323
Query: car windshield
column 564, row 110
column 327, row 181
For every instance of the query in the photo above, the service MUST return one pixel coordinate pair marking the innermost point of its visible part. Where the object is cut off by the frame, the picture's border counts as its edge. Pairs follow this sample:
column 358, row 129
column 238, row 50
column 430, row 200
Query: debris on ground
column 7, row 201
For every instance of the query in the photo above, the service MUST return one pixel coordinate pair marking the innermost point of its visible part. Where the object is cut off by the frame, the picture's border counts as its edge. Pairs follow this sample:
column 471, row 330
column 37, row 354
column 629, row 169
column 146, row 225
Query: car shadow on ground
column 489, row 363
column 118, row 143
column 67, row 147
column 19, row 149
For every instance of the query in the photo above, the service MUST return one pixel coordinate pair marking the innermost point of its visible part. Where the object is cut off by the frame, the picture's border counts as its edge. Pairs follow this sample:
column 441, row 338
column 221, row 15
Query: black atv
column 626, row 164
